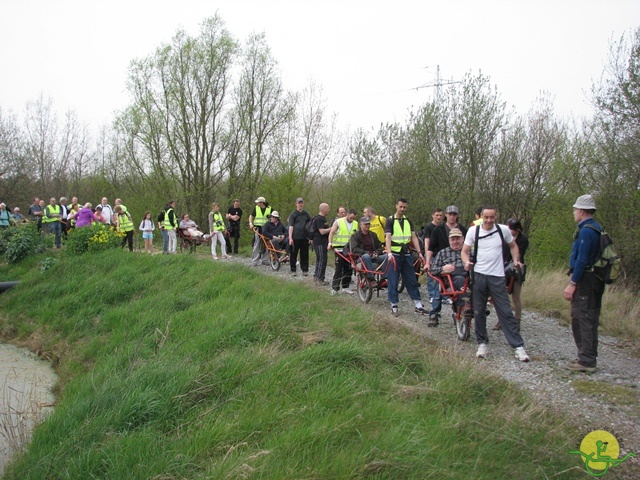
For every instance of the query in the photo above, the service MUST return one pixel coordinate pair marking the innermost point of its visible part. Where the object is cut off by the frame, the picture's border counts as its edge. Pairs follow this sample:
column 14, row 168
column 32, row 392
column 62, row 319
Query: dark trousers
column 342, row 274
column 128, row 239
column 321, row 262
column 234, row 233
column 585, row 317
column 301, row 246
column 489, row 285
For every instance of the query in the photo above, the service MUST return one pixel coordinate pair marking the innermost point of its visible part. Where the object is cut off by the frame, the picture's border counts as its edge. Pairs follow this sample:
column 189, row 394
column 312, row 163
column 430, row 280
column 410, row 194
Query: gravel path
column 612, row 399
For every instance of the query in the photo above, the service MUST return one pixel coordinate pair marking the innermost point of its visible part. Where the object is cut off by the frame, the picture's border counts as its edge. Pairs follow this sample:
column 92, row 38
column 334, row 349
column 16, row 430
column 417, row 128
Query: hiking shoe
column 394, row 310
column 483, row 351
column 348, row 291
column 576, row 366
column 433, row 320
column 522, row 355
column 421, row 311
column 305, row 274
column 294, row 274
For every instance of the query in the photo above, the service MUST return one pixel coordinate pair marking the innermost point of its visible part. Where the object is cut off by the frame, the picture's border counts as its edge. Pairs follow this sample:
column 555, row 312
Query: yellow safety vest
column 261, row 217
column 166, row 223
column 341, row 237
column 217, row 217
column 53, row 210
column 400, row 236
column 125, row 224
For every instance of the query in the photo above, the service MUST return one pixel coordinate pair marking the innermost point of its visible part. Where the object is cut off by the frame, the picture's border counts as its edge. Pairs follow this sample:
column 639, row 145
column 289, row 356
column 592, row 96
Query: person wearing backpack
column 585, row 288
column 488, row 275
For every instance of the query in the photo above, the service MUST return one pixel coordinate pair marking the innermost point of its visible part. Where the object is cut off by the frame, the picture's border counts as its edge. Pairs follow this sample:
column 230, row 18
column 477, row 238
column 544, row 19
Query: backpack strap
column 478, row 237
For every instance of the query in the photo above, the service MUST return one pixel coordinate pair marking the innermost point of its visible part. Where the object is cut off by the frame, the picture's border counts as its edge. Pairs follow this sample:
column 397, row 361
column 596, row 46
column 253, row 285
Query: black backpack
column 310, row 228
column 607, row 263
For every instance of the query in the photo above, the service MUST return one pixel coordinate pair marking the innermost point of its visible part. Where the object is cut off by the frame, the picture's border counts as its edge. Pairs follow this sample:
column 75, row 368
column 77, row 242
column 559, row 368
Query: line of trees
column 209, row 120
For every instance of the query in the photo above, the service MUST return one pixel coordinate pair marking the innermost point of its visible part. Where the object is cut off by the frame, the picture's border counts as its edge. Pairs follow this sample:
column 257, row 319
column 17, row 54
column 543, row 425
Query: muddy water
column 25, row 397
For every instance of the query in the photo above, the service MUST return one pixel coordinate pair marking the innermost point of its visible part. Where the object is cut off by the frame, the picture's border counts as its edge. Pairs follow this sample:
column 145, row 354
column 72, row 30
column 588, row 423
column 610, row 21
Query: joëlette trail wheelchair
column 462, row 305
column 366, row 286
column 189, row 242
column 276, row 256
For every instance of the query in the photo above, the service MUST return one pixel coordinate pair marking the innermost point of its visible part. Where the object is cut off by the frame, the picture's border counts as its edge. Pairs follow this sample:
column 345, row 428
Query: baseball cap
column 261, row 200
column 455, row 232
column 452, row 209
column 365, row 220
column 299, row 199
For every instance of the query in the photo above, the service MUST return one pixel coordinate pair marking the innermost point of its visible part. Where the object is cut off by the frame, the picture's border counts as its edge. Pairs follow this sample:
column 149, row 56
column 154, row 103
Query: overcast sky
column 369, row 56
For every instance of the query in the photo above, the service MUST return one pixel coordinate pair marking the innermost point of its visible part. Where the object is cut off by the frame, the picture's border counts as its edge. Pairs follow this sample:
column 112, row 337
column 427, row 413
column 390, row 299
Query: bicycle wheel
column 463, row 325
column 274, row 261
column 365, row 292
column 400, row 284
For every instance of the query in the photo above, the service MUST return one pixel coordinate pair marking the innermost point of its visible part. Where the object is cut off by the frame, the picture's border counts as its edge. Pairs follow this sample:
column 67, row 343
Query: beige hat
column 275, row 214
column 585, row 202
column 455, row 232
column 261, row 200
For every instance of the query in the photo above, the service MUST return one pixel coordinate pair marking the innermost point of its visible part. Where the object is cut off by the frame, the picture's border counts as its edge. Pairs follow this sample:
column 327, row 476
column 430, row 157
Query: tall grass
column 542, row 292
column 171, row 367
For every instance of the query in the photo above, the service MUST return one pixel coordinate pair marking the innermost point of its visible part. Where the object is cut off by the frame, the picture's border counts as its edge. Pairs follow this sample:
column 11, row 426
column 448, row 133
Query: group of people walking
column 443, row 246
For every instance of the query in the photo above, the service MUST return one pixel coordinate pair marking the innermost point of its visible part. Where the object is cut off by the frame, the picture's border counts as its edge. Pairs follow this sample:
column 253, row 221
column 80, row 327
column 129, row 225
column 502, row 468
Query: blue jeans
column 56, row 229
column 369, row 263
column 165, row 241
column 404, row 267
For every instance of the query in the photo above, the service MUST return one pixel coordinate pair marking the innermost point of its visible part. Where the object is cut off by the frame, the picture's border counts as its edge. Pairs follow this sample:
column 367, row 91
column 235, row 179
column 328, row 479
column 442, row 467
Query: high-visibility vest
column 53, row 209
column 261, row 216
column 125, row 224
column 218, row 222
column 400, row 236
column 166, row 223
column 341, row 237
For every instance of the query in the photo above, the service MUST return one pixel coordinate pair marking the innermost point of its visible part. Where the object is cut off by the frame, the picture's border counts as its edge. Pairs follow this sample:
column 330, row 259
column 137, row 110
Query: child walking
column 147, row 227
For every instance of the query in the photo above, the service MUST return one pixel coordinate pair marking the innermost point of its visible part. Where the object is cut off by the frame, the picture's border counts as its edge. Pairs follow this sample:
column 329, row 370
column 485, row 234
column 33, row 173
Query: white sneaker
column 521, row 354
column 348, row 291
column 334, row 292
column 215, row 257
column 483, row 350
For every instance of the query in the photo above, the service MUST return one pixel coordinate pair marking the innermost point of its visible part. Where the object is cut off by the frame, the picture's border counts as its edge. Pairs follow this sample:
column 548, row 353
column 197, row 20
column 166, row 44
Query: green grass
column 174, row 367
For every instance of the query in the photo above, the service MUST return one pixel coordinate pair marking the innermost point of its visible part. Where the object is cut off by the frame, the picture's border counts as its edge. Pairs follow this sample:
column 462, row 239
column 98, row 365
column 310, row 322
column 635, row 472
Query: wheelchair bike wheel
column 400, row 284
column 274, row 261
column 185, row 245
column 463, row 324
column 365, row 291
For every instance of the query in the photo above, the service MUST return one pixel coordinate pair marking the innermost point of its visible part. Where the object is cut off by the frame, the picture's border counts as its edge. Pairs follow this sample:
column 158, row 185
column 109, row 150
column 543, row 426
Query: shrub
column 22, row 241
column 95, row 238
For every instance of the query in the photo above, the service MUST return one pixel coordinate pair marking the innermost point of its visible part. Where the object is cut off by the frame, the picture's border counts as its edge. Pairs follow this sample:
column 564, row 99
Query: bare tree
column 261, row 108
column 15, row 169
column 174, row 130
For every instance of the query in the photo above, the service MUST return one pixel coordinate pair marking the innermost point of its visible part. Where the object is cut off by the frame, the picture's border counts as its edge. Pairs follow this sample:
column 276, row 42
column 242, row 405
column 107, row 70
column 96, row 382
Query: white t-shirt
column 489, row 255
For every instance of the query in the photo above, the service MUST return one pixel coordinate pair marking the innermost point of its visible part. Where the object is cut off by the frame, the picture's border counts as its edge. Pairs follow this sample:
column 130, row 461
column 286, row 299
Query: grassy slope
column 174, row 367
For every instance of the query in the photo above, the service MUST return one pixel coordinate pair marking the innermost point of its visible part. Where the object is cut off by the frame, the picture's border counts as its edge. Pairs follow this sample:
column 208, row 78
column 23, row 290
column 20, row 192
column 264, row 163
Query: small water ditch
column 25, row 398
